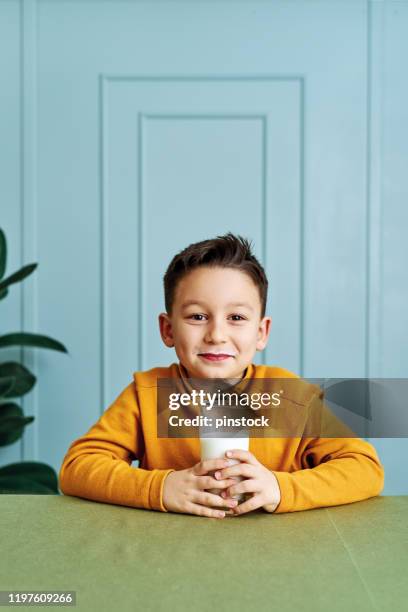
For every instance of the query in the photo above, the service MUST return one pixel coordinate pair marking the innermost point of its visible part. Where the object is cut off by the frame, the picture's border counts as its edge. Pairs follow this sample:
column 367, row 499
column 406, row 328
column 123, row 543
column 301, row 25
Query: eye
column 195, row 315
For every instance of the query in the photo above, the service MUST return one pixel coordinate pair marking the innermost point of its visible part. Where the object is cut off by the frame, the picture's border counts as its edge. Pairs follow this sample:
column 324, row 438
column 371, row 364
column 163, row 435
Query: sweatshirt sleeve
column 336, row 470
column 97, row 465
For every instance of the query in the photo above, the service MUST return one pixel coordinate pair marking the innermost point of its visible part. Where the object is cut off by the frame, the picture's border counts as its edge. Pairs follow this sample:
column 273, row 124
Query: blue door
column 131, row 129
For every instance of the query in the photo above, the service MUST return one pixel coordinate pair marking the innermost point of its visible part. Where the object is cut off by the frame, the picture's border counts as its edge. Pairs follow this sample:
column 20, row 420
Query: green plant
column 15, row 381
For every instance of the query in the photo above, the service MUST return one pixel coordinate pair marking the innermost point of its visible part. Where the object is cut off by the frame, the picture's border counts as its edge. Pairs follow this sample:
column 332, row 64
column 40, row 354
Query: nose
column 215, row 332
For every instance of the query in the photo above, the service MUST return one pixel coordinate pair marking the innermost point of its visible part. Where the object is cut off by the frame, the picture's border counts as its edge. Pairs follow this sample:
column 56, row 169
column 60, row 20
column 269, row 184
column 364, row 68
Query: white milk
column 215, row 448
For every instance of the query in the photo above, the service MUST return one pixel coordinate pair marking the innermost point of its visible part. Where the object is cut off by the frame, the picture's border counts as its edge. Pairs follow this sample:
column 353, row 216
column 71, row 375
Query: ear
column 166, row 330
column 263, row 333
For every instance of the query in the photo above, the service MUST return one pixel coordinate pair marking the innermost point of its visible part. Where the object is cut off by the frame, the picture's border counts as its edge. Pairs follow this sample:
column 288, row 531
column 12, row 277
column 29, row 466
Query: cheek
column 246, row 331
column 188, row 334
column 249, row 335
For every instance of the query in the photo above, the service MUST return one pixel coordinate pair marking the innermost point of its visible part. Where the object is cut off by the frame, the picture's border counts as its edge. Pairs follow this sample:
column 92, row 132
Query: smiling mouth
column 215, row 356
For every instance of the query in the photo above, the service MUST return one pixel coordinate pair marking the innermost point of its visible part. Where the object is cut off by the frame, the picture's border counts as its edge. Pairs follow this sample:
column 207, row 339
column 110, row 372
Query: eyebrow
column 197, row 303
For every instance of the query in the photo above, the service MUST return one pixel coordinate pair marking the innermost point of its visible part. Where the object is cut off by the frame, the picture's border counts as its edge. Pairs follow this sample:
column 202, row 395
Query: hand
column 184, row 490
column 258, row 480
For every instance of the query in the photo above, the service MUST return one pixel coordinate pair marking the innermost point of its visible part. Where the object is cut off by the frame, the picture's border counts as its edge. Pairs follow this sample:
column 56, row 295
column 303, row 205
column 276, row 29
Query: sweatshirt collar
column 179, row 371
column 182, row 372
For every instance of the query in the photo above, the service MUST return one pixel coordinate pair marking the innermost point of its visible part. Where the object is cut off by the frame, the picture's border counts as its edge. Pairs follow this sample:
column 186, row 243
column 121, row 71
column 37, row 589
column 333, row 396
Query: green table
column 351, row 557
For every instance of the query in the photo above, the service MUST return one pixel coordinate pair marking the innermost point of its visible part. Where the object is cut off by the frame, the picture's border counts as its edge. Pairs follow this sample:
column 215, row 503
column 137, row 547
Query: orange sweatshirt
column 311, row 472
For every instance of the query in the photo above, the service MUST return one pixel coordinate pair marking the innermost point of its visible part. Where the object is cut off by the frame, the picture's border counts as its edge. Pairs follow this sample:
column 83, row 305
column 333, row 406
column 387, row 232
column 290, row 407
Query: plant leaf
column 28, row 477
column 24, row 380
column 12, row 423
column 6, row 384
column 18, row 276
column 3, row 255
column 20, row 485
column 29, row 339
column 3, row 293
column 10, row 409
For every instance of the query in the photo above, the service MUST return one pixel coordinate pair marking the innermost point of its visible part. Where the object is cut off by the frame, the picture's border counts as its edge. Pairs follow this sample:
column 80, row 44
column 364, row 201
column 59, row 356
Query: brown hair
column 226, row 251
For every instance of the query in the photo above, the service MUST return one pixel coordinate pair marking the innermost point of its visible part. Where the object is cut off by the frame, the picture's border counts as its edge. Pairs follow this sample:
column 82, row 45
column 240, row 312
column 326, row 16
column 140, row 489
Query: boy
column 215, row 298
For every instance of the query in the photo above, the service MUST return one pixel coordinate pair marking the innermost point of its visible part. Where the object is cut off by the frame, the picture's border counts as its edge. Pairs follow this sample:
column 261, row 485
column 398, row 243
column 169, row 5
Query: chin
column 219, row 371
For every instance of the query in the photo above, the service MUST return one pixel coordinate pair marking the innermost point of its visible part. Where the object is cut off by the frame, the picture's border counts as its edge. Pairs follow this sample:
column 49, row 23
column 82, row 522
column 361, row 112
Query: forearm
column 102, row 478
column 338, row 481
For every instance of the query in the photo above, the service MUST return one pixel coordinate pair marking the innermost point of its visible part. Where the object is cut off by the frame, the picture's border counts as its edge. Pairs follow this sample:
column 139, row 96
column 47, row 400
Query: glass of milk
column 215, row 448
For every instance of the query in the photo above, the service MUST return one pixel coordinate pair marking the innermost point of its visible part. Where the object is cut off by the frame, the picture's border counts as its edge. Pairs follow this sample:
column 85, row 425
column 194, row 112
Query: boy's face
column 213, row 323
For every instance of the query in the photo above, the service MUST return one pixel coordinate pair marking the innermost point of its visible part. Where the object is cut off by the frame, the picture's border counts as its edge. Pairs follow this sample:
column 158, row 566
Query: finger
column 239, row 469
column 208, row 482
column 242, row 455
column 247, row 506
column 231, row 512
column 211, row 499
column 226, row 492
column 238, row 488
column 205, row 511
column 207, row 465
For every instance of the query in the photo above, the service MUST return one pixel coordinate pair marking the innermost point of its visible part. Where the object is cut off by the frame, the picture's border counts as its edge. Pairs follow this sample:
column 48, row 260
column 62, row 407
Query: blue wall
column 131, row 129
